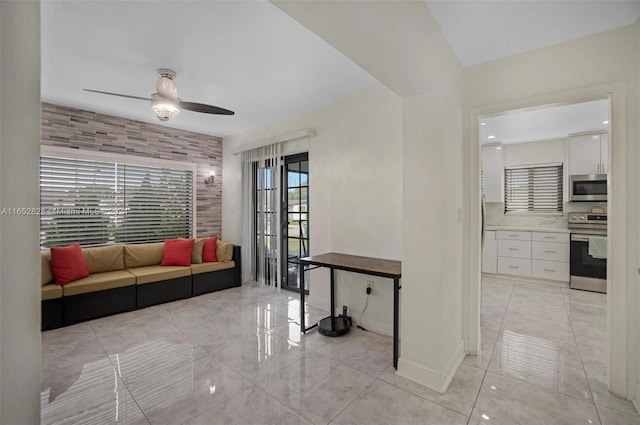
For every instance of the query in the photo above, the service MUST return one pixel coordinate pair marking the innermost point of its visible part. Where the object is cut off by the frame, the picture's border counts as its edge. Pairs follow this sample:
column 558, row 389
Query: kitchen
column 544, row 178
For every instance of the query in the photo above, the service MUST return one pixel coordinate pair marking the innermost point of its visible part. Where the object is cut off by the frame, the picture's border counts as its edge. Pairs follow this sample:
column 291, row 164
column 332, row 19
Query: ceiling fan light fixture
column 166, row 87
column 165, row 109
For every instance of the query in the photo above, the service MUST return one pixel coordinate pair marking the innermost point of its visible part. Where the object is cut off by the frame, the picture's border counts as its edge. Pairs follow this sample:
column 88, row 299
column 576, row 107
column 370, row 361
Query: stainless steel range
column 588, row 258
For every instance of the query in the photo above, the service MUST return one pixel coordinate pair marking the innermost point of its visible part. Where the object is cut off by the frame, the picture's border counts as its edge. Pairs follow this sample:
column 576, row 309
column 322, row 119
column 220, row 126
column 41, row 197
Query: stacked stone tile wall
column 84, row 130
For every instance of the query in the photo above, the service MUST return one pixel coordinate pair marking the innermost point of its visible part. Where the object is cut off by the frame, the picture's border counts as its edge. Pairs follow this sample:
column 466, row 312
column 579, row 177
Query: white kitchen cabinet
column 550, row 256
column 543, row 255
column 514, row 266
column 490, row 252
column 588, row 153
column 553, row 270
column 515, row 249
column 492, row 173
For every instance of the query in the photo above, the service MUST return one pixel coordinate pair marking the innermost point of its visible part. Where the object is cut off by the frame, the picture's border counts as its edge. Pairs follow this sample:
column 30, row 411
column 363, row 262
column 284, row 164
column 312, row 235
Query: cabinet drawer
column 550, row 270
column 550, row 237
column 550, row 251
column 517, row 249
column 517, row 266
column 516, row 236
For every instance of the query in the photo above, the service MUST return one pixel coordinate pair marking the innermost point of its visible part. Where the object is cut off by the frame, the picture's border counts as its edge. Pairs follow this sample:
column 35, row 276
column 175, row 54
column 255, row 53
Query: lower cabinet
column 543, row 255
column 515, row 266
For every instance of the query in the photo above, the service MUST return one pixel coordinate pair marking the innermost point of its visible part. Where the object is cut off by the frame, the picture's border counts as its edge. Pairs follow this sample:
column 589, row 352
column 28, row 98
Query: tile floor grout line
column 484, row 375
column 542, row 386
column 586, row 377
column 124, row 383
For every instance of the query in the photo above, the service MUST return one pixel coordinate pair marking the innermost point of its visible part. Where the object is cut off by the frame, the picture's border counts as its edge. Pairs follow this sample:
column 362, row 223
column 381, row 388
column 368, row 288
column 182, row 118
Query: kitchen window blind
column 97, row 202
column 533, row 189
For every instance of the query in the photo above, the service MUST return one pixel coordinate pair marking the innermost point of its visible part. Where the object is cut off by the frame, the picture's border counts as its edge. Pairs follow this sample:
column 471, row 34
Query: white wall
column 583, row 69
column 355, row 190
column 19, row 247
column 400, row 44
column 540, row 152
column 431, row 315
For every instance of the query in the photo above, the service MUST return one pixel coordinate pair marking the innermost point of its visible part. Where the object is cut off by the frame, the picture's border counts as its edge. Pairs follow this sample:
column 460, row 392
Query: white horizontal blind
column 101, row 202
column 533, row 189
column 157, row 204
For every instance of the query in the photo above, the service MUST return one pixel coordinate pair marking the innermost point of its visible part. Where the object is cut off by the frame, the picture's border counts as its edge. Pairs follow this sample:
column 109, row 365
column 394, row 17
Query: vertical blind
column 533, row 189
column 103, row 202
column 261, row 214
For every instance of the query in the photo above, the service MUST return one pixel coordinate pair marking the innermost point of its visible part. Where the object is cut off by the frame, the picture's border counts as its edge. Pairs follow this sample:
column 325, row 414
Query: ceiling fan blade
column 118, row 94
column 207, row 109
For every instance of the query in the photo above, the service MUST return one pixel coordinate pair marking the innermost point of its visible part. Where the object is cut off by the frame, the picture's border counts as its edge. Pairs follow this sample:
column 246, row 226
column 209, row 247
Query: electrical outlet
column 369, row 288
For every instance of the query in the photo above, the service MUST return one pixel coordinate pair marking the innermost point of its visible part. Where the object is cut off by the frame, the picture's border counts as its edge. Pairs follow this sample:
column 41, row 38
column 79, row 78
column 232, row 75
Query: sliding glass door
column 295, row 217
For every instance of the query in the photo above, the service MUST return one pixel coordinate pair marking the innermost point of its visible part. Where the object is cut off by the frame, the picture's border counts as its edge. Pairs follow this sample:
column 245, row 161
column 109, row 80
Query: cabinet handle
column 549, row 270
column 514, row 267
column 549, row 237
column 514, row 249
column 550, row 252
column 515, row 236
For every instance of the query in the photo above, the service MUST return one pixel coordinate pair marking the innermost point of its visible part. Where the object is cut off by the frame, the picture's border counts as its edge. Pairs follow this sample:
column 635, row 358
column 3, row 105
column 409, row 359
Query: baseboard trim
column 431, row 378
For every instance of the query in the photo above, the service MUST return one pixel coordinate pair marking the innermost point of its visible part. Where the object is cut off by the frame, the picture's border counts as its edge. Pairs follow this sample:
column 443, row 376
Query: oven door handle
column 579, row 238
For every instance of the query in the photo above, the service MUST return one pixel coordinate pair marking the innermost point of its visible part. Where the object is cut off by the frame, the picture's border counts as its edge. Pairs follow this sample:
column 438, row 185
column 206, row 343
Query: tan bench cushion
column 224, row 251
column 152, row 274
column 211, row 267
column 104, row 258
column 51, row 292
column 46, row 274
column 146, row 254
column 99, row 282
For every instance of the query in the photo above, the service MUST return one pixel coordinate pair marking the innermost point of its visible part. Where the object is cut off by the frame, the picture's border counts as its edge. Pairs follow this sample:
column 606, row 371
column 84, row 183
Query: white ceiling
column 545, row 123
column 481, row 31
column 252, row 58
column 249, row 57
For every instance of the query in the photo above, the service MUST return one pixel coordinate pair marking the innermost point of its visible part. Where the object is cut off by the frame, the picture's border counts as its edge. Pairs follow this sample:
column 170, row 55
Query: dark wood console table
column 353, row 263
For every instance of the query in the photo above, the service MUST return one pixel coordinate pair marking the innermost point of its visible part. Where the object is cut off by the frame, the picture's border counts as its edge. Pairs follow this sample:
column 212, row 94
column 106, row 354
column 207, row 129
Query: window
column 98, row 202
column 533, row 189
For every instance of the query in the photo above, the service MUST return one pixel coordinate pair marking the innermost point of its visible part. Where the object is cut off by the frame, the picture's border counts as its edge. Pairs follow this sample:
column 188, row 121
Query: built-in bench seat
column 128, row 277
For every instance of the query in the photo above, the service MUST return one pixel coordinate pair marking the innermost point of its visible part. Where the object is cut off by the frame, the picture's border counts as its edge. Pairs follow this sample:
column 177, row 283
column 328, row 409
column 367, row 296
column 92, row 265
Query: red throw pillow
column 68, row 264
column 177, row 252
column 209, row 250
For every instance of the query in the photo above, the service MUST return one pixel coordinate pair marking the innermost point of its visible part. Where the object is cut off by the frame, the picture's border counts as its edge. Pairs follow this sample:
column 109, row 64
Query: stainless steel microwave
column 588, row 187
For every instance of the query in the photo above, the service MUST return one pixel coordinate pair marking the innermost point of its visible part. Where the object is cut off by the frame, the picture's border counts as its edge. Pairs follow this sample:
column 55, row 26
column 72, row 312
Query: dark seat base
column 163, row 291
column 51, row 314
column 214, row 281
column 78, row 308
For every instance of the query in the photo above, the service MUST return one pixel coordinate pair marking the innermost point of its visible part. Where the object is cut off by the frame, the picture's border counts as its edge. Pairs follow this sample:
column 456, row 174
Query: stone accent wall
column 91, row 131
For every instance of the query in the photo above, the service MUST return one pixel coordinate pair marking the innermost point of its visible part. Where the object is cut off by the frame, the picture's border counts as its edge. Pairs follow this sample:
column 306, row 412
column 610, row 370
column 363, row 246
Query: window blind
column 100, row 202
column 533, row 189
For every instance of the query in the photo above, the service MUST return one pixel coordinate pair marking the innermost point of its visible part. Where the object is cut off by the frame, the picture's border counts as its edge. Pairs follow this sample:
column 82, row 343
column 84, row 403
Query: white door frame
column 620, row 340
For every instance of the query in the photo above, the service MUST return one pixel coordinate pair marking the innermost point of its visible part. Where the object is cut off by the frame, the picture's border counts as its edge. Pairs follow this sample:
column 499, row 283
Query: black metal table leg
column 396, row 309
column 302, row 324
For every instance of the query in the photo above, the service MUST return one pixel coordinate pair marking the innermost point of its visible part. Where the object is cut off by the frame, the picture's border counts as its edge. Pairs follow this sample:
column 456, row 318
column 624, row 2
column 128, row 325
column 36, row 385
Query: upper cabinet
column 492, row 173
column 588, row 153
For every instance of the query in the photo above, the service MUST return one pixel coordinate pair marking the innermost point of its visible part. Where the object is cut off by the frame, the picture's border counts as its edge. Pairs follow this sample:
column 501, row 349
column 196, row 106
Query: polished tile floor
column 237, row 357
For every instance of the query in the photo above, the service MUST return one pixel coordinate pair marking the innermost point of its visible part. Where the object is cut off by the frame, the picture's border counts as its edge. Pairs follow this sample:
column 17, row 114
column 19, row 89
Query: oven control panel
column 588, row 218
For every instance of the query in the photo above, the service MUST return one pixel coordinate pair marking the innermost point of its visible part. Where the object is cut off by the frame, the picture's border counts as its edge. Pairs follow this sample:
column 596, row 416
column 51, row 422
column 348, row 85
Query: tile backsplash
column 496, row 217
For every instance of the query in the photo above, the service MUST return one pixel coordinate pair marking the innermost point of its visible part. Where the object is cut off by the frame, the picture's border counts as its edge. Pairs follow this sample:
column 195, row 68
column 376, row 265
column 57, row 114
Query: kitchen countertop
column 530, row 229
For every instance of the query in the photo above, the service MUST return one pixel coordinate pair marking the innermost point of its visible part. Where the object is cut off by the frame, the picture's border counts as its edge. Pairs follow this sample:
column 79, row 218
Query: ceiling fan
column 165, row 103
